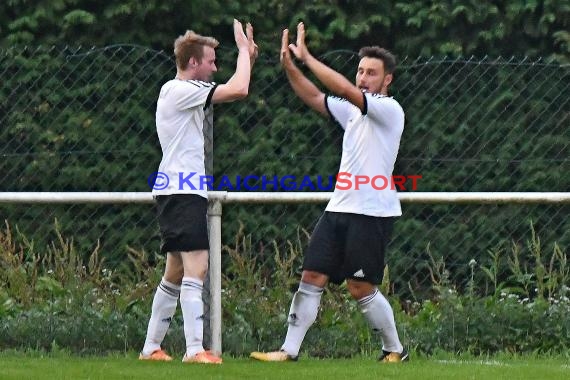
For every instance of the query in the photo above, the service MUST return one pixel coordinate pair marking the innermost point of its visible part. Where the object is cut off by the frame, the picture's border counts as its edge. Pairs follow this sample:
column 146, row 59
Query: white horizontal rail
column 217, row 198
column 287, row 197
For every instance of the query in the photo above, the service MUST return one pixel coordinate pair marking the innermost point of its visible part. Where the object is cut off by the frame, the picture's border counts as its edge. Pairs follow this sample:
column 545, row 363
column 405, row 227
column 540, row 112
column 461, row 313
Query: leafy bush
column 522, row 313
column 56, row 299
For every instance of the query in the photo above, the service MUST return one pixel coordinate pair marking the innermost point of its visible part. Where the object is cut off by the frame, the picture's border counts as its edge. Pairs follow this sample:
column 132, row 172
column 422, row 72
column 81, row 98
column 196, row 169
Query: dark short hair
column 382, row 54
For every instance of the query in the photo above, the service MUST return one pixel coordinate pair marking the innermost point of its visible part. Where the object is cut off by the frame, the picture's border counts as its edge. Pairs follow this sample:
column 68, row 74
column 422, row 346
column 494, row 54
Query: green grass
column 15, row 365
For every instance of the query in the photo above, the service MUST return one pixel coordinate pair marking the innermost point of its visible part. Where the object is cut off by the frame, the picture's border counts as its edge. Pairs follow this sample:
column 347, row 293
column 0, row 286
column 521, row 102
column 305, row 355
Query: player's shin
column 302, row 314
column 163, row 308
column 380, row 316
column 193, row 314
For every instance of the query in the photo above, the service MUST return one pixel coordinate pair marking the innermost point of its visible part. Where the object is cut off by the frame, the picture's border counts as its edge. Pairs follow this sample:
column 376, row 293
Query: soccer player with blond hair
column 182, row 207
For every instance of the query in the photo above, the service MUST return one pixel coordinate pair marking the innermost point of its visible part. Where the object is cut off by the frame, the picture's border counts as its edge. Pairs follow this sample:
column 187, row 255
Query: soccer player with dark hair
column 350, row 238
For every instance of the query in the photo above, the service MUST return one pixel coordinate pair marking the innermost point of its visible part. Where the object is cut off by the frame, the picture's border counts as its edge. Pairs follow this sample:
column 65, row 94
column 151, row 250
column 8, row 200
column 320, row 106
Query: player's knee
column 201, row 272
column 195, row 264
column 314, row 278
column 174, row 275
column 360, row 289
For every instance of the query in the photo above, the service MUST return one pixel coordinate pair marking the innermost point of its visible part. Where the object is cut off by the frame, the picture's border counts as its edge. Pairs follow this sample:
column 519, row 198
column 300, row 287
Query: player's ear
column 388, row 79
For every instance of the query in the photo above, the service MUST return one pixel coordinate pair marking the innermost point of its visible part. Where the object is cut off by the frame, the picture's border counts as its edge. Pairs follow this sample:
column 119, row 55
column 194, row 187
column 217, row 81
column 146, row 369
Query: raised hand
column 300, row 49
column 285, row 54
column 242, row 41
column 253, row 48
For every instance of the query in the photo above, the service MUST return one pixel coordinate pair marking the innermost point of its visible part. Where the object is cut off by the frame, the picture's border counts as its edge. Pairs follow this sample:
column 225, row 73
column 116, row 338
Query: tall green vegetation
column 52, row 299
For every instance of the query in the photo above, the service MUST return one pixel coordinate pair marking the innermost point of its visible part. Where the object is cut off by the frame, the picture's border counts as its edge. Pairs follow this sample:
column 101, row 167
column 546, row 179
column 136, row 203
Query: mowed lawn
column 35, row 366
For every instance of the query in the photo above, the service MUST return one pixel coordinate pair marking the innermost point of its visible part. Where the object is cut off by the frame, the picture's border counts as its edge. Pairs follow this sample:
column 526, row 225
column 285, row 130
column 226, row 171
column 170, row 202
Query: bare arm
column 331, row 79
column 302, row 86
column 237, row 86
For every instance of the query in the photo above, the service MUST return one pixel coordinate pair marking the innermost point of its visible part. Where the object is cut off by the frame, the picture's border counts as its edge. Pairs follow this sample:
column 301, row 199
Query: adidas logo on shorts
column 359, row 273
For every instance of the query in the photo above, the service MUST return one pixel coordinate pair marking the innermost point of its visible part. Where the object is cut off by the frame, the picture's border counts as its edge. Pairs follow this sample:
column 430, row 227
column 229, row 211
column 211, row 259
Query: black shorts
column 183, row 222
column 349, row 246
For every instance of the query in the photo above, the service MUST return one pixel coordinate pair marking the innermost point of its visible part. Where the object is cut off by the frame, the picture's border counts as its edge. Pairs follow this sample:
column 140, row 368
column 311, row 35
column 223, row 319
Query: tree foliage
column 455, row 27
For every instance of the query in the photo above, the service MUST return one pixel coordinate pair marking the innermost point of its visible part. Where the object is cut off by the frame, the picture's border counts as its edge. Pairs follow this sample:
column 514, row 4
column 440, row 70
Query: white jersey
column 369, row 149
column 179, row 123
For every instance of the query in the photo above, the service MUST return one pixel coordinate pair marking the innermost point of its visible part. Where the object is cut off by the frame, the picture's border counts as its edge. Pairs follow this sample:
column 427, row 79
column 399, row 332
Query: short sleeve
column 384, row 109
column 194, row 93
column 339, row 109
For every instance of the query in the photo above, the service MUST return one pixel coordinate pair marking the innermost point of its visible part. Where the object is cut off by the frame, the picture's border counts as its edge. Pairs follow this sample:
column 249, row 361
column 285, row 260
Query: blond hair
column 191, row 45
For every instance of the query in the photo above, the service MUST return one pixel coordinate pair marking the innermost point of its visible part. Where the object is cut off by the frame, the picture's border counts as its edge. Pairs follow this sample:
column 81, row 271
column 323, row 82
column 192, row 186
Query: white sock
column 163, row 308
column 380, row 316
column 193, row 314
column 302, row 314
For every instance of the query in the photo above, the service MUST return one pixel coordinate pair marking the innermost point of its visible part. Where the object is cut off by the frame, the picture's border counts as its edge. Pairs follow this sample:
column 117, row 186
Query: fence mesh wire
column 76, row 119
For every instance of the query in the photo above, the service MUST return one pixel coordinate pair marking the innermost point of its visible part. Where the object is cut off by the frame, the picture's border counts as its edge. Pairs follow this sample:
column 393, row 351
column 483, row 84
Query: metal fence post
column 208, row 132
column 215, row 274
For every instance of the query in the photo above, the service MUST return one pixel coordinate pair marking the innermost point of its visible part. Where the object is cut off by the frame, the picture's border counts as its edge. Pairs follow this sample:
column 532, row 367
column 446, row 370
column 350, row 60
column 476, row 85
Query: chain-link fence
column 83, row 120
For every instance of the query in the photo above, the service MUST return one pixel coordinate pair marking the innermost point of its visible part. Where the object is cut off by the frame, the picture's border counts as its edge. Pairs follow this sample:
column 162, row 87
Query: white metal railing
column 217, row 198
column 288, row 197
